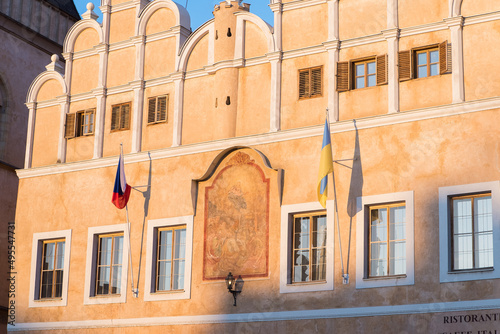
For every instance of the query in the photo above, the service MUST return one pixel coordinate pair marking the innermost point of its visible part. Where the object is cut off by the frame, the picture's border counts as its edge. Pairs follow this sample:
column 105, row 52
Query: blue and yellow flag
column 325, row 166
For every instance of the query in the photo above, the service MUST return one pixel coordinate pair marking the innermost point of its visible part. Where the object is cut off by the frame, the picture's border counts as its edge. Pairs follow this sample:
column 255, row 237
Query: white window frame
column 364, row 203
column 287, row 212
column 149, row 293
column 89, row 297
column 445, row 194
column 36, row 261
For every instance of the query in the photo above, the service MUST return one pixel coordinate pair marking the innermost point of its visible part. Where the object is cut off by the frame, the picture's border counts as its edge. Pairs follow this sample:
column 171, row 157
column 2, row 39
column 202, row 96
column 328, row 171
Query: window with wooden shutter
column 444, row 58
column 405, row 66
column 157, row 109
column 120, row 117
column 381, row 69
column 364, row 73
column 70, row 125
column 342, row 76
column 310, row 82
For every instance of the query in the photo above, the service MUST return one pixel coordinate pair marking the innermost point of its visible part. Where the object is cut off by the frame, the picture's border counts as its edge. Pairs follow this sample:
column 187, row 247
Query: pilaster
column 30, row 134
column 392, row 37
column 455, row 25
column 179, row 79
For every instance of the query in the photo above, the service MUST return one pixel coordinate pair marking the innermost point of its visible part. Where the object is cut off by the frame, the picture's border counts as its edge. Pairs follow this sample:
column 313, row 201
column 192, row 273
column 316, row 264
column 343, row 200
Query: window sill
column 469, row 271
column 159, row 122
column 384, row 278
column 306, row 283
column 47, row 300
column 106, row 296
column 167, row 292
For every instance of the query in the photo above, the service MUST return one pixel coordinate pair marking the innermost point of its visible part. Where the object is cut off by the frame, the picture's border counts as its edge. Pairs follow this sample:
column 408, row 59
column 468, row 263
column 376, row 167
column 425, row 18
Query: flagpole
column 344, row 276
column 135, row 293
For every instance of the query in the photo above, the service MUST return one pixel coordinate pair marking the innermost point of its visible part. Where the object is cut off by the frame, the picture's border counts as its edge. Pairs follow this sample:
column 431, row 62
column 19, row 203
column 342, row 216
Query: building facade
column 221, row 130
column 30, row 31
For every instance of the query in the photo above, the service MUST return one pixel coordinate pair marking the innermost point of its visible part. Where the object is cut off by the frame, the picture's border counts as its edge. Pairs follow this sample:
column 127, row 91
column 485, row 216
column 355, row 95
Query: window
column 109, row 264
column 385, row 240
column 120, row 117
column 50, row 254
column 306, row 251
column 472, row 232
column 365, row 74
column 425, row 61
column 52, row 269
column 309, row 247
column 168, row 259
column 310, row 84
column 468, row 224
column 157, row 109
column 80, row 123
column 106, row 264
column 362, row 73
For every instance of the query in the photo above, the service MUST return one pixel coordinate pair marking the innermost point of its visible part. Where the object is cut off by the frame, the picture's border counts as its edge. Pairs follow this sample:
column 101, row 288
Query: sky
column 200, row 11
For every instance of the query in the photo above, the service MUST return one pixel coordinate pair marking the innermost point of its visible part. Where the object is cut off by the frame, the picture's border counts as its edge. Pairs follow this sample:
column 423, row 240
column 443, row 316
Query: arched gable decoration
column 182, row 17
column 455, row 8
column 40, row 80
column 218, row 160
column 77, row 28
column 194, row 38
column 243, row 16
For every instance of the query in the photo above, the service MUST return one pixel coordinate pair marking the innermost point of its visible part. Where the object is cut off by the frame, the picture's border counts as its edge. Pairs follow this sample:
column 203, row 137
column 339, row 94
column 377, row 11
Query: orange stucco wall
column 87, row 39
column 46, row 136
column 305, row 27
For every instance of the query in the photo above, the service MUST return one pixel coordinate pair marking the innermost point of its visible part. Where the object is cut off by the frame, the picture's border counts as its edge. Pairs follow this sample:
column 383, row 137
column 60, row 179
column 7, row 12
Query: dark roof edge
column 66, row 6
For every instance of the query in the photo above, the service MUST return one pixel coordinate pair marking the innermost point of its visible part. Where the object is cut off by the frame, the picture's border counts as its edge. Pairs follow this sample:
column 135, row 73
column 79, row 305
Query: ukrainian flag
column 325, row 166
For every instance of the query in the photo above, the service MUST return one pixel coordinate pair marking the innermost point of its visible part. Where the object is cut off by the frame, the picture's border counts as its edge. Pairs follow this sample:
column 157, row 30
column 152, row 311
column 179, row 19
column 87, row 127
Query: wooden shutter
column 151, row 110
column 405, row 65
column 162, row 108
column 115, row 118
column 316, row 82
column 381, row 69
column 342, row 76
column 70, row 126
column 443, row 57
column 303, row 84
column 125, row 116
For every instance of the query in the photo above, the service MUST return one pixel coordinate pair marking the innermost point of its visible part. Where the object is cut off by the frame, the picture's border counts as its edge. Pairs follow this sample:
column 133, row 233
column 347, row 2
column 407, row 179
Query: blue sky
column 199, row 10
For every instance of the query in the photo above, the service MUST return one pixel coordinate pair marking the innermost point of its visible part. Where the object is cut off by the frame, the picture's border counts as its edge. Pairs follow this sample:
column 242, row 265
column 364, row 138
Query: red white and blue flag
column 121, row 191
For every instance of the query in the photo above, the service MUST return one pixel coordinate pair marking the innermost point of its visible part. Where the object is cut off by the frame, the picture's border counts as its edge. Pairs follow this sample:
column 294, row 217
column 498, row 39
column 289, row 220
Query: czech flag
column 325, row 166
column 121, row 191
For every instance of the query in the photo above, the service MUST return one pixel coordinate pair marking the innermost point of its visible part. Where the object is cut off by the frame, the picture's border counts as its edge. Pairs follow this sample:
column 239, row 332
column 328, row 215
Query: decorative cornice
column 158, row 81
column 303, row 52
column 137, row 84
column 301, row 4
column 482, row 18
column 122, row 45
column 122, row 6
column 349, row 43
column 391, row 33
column 47, row 104
column 178, row 76
column 274, row 56
column 31, row 105
column 98, row 92
column 454, row 21
column 276, row 7
column 268, row 138
column 329, row 45
column 331, row 313
column 85, row 53
column 422, row 29
column 161, row 35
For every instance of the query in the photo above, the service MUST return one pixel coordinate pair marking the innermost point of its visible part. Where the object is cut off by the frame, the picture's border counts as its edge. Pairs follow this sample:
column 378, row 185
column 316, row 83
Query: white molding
column 331, row 313
column 122, row 6
column 48, row 103
column 361, row 232
column 85, row 53
column 262, row 139
column 297, row 4
column 311, row 50
column 444, row 247
column 423, row 29
column 375, row 38
column 482, row 18
column 90, row 266
column 35, row 250
column 76, row 29
column 285, row 247
column 152, row 225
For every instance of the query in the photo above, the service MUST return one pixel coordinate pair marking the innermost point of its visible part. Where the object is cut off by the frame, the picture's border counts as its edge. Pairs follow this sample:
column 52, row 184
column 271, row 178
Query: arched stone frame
column 31, row 102
column 455, row 8
column 241, row 19
column 182, row 17
column 76, row 29
column 206, row 29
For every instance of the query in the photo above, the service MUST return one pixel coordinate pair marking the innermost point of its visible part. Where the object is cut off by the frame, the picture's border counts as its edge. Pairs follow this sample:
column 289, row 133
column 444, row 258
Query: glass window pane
column 378, row 268
column 434, row 69
column 371, row 67
column 422, row 58
column 60, row 255
column 360, row 82
column 116, row 279
column 360, row 70
column 117, row 250
column 462, row 216
column 372, row 81
column 484, row 250
column 483, row 219
column 434, row 55
column 422, row 72
column 49, row 252
column 463, row 252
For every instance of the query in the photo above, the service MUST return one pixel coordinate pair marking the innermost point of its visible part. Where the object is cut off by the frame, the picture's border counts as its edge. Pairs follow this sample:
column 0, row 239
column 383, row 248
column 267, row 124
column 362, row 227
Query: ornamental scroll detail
column 237, row 220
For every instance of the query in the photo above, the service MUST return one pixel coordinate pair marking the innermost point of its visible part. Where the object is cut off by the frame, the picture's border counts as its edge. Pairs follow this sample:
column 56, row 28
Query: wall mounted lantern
column 233, row 286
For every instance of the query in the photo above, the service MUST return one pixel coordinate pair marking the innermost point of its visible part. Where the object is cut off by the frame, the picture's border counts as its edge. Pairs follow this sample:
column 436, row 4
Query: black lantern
column 231, row 286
